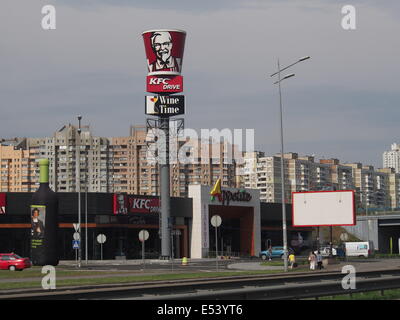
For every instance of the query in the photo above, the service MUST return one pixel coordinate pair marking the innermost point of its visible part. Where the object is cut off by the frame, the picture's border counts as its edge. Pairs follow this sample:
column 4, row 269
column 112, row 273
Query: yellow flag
column 216, row 190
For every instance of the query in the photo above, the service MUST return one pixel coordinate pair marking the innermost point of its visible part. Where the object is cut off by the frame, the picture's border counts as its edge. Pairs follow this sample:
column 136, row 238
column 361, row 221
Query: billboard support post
column 165, row 192
column 331, row 248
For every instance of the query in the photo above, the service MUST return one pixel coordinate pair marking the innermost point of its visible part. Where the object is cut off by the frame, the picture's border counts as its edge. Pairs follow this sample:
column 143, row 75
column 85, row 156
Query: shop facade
column 247, row 225
column 240, row 230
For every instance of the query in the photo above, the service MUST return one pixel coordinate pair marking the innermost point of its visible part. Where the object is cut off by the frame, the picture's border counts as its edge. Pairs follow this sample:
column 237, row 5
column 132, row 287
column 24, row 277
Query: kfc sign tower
column 164, row 54
column 164, row 51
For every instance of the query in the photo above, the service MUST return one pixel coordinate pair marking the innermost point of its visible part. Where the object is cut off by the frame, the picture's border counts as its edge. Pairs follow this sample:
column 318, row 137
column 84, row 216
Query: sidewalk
column 359, row 265
column 133, row 261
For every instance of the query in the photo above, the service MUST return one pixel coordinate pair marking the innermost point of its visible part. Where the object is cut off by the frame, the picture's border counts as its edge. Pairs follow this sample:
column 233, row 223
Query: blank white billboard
column 323, row 208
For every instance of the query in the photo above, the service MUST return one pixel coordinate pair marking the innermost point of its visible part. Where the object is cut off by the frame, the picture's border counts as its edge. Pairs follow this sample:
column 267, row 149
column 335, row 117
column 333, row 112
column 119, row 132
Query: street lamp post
column 86, row 210
column 284, row 228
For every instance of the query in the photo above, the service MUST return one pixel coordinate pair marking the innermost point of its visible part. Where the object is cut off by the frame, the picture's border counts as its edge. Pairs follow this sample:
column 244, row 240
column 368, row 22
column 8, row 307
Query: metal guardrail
column 211, row 254
column 299, row 286
column 287, row 292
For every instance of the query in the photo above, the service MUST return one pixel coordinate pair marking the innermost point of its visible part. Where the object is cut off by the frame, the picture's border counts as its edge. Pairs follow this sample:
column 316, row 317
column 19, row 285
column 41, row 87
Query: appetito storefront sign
column 125, row 204
column 226, row 196
column 164, row 84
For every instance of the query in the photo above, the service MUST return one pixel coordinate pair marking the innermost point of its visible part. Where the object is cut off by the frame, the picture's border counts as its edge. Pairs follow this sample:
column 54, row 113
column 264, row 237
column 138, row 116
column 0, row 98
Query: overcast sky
column 343, row 102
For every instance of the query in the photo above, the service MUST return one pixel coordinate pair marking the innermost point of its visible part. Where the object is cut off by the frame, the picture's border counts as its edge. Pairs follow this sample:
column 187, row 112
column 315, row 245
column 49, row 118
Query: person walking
column 312, row 258
column 319, row 260
column 292, row 260
column 269, row 253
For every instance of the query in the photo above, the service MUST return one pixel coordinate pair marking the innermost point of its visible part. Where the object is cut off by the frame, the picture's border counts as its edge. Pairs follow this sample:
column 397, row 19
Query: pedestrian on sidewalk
column 292, row 260
column 319, row 260
column 269, row 253
column 312, row 259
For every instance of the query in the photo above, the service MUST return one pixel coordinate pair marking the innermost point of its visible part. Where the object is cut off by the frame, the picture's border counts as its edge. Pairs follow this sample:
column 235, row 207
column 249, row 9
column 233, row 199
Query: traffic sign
column 77, row 236
column 76, row 226
column 75, row 244
column 143, row 235
column 216, row 221
column 101, row 238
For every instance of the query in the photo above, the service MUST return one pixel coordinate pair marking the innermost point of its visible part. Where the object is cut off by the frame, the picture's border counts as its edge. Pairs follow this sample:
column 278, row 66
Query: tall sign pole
column 78, row 185
column 165, row 192
column 164, row 54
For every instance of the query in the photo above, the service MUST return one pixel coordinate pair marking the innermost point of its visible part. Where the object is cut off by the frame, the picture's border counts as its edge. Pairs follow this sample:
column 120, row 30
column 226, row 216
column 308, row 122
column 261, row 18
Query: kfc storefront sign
column 2, row 203
column 143, row 205
column 125, row 204
column 164, row 51
column 164, row 84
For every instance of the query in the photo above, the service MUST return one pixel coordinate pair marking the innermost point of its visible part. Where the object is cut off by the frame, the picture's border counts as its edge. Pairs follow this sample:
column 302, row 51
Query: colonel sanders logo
column 164, row 51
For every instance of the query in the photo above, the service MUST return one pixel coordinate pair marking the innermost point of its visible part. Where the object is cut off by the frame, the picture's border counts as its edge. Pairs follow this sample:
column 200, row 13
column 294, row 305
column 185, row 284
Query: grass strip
column 130, row 279
column 37, row 272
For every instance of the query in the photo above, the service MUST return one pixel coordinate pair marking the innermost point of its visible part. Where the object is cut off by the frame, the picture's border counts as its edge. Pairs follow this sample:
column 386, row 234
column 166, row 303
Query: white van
column 358, row 249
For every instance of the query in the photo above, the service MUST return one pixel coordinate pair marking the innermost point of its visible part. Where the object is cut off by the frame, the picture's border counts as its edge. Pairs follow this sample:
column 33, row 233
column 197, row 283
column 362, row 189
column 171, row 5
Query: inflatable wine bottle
column 44, row 221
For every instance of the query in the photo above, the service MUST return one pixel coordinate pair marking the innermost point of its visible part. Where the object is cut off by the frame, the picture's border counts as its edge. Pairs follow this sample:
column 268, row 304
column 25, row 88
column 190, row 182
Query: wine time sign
column 165, row 105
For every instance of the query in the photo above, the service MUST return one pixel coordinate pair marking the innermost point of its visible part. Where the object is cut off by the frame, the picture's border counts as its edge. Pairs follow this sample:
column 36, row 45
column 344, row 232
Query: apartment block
column 130, row 170
column 391, row 159
column 19, row 170
column 341, row 175
column 301, row 173
column 136, row 171
column 392, row 187
column 64, row 148
column 246, row 174
column 371, row 186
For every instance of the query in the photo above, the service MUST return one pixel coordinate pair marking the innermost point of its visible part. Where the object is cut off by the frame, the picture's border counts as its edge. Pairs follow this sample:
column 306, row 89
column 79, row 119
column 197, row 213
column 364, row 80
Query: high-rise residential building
column 392, row 187
column 19, row 170
column 130, row 171
column 391, row 159
column 341, row 175
column 205, row 163
column 62, row 151
column 246, row 174
column 120, row 164
column 136, row 171
column 127, row 165
column 301, row 173
column 269, row 179
column 371, row 186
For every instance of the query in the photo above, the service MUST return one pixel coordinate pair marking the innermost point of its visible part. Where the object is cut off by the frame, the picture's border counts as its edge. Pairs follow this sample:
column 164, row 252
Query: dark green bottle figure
column 44, row 221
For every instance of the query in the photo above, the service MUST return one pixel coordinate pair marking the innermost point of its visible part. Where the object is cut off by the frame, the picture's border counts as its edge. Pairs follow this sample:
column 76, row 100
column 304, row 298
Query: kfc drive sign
column 164, row 51
column 164, row 84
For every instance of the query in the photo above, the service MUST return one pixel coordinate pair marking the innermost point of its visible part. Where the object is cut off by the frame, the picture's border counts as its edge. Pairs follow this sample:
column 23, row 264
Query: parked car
column 326, row 250
column 12, row 262
column 277, row 252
